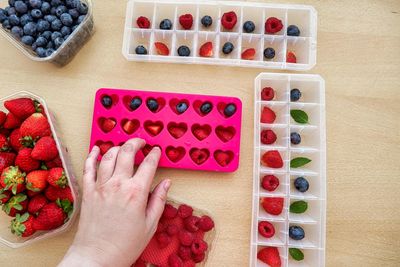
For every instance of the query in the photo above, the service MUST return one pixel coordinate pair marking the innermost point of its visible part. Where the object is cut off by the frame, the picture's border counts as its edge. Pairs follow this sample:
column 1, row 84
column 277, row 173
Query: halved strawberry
column 161, row 48
column 249, row 54
column 267, row 115
column 107, row 124
column 223, row 158
column 130, row 126
column 186, row 21
column 153, row 128
column 199, row 156
column 291, row 57
column 175, row 153
column 270, row 256
column 206, row 50
column 201, row 132
column 104, row 147
column 272, row 159
column 272, row 205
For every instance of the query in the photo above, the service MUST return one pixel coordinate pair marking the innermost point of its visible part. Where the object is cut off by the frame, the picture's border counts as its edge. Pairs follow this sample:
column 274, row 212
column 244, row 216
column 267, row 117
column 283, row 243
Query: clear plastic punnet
column 71, row 46
column 303, row 46
column 304, row 203
column 13, row 241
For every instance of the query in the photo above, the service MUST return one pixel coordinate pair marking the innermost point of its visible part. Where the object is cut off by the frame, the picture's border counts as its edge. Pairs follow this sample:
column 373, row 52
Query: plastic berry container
column 13, row 241
column 312, row 146
column 304, row 46
column 66, row 52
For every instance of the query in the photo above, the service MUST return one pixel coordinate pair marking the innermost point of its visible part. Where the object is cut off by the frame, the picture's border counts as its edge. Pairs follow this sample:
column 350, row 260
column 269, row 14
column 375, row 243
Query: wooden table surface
column 358, row 55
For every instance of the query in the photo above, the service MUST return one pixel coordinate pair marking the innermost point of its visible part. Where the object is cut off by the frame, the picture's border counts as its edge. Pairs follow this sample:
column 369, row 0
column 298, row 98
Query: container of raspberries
column 184, row 237
column 47, row 30
column 38, row 192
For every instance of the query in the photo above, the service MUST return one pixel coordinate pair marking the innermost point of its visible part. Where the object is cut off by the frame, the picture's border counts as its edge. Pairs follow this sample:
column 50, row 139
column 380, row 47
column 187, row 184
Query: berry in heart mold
column 135, row 103
column 106, row 101
column 206, row 108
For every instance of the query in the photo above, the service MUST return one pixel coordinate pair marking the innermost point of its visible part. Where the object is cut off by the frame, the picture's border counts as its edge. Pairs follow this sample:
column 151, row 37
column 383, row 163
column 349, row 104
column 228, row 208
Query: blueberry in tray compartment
column 193, row 131
column 289, row 184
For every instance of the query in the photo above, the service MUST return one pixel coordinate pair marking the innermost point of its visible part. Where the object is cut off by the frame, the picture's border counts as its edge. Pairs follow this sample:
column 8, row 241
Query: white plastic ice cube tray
column 304, row 46
column 312, row 146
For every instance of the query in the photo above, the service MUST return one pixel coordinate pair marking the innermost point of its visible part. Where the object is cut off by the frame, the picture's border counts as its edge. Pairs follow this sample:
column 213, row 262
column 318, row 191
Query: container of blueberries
column 47, row 30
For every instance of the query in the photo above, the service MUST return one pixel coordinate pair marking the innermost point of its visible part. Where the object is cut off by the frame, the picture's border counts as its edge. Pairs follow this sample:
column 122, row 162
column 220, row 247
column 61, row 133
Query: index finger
column 145, row 173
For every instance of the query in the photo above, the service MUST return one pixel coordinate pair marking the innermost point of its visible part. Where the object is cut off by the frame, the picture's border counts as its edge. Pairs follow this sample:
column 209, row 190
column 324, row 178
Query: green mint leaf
column 299, row 162
column 298, row 207
column 296, row 254
column 299, row 116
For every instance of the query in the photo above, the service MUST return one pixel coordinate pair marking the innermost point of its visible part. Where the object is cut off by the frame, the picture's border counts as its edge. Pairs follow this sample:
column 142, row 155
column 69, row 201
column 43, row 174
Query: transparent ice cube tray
column 13, row 241
column 312, row 146
column 304, row 46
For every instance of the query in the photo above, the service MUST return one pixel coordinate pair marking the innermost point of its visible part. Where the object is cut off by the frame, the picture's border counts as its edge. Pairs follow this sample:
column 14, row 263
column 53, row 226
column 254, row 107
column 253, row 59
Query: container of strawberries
column 38, row 192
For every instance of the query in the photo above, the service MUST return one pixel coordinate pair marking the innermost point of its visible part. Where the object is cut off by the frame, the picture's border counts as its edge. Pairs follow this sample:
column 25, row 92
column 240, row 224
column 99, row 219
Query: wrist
column 79, row 256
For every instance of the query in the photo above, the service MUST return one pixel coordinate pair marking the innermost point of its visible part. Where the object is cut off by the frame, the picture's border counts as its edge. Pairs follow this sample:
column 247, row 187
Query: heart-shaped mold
column 177, row 130
column 147, row 148
column 104, row 146
column 223, row 158
column 179, row 106
column 130, row 126
column 153, row 128
column 175, row 154
column 108, row 100
column 155, row 104
column 227, row 110
column 199, row 156
column 201, row 132
column 106, row 124
column 132, row 103
column 225, row 133
column 207, row 108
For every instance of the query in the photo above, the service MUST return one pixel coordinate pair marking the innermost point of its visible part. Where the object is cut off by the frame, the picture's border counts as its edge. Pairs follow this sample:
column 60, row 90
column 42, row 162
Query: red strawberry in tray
column 270, row 256
column 6, row 160
column 45, row 149
column 4, row 196
column 22, row 225
column 272, row 205
column 57, row 178
column 21, row 107
column 37, row 203
column 56, row 162
column 16, row 140
column 53, row 193
column 13, row 179
column 36, row 181
column 272, row 159
column 206, row 50
column 50, row 217
column 25, row 161
column 16, row 205
column 12, row 121
column 35, row 126
column 3, row 117
column 4, row 144
column 161, row 48
column 186, row 21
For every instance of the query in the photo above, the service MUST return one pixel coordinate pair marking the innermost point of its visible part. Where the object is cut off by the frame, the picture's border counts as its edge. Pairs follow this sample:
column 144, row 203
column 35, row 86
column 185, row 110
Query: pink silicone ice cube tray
column 220, row 140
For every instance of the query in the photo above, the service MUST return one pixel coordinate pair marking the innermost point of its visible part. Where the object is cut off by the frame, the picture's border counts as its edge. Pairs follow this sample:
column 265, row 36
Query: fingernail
column 127, row 147
column 167, row 184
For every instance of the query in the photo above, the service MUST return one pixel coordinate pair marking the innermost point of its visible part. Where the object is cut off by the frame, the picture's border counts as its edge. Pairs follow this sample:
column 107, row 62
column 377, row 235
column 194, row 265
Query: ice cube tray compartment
column 186, row 135
column 303, row 16
column 312, row 146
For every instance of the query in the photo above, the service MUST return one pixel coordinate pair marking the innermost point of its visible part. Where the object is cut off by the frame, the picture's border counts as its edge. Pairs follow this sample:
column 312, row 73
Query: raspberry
column 272, row 159
column 191, row 223
column 273, row 25
column 206, row 223
column 270, row 256
column 199, row 246
column 291, row 57
column 268, row 137
column 189, row 263
column 186, row 21
column 163, row 240
column 185, row 253
column 185, row 211
column 267, row 93
column 139, row 263
column 272, row 205
column 170, row 211
column 229, row 20
column 186, row 238
column 172, row 229
column 160, row 227
column 266, row 229
column 267, row 115
column 270, row 182
column 174, row 261
column 198, row 257
column 143, row 22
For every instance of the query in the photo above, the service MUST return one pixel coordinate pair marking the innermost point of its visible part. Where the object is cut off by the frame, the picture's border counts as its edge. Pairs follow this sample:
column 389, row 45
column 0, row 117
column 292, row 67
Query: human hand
column 118, row 217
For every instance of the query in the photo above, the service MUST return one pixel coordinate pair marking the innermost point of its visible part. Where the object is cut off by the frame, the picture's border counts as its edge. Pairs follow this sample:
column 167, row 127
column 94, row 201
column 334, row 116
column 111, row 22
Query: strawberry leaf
column 299, row 116
column 298, row 207
column 299, row 162
column 296, row 254
column 14, row 189
column 24, row 217
column 17, row 206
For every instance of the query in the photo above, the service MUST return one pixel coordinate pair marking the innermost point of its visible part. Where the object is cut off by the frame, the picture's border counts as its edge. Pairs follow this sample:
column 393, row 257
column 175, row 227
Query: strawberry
column 22, row 225
column 21, row 107
column 248, row 54
column 130, row 126
column 267, row 93
column 267, row 115
column 56, row 162
column 104, row 147
column 147, row 148
column 37, row 203
column 4, row 144
column 199, row 156
column 162, row 49
column 35, row 126
column 45, row 149
column 225, row 134
column 12, row 178
column 4, row 196
column 53, row 193
column 273, row 25
column 16, row 205
column 206, row 50
column 201, row 132
column 3, row 117
column 12, row 121
column 31, row 194
column 6, row 160
column 57, row 178
column 291, row 57
column 229, row 20
column 270, row 256
column 272, row 205
column 36, row 181
column 223, row 158
column 186, row 21
column 108, row 124
column 272, row 159
column 5, row 132
column 50, row 217
column 16, row 140
column 268, row 137
column 25, row 162
column 154, row 128
column 175, row 154
column 143, row 22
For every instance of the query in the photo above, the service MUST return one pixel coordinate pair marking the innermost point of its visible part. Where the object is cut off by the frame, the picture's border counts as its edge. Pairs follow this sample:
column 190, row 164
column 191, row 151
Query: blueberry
column 25, row 19
column 106, row 101
column 206, row 21
column 6, row 24
column 301, row 184
column 295, row 138
column 293, row 30
column 269, row 53
column 46, row 34
column 229, row 110
column 135, row 103
column 17, row 32
column 35, row 3
column 183, row 51
column 28, row 40
column 14, row 20
column 41, row 52
column 21, row 7
column 74, row 13
column 56, row 25
column 295, row 95
column 152, row 104
column 55, row 35
column 30, row 29
column 50, row 44
column 56, row 3
column 3, row 15
column 36, row 13
column 61, row 10
column 65, row 31
column 141, row 50
column 72, row 3
column 50, row 18
column 66, row 19
column 11, row 11
column 41, row 41
column 249, row 26
column 296, row 232
column 83, row 8
column 49, row 52
column 166, row 24
column 46, row 8
column 206, row 108
column 53, row 11
column 43, row 25
column 81, row 18
column 58, row 42
column 228, row 48
column 11, row 2
column 181, row 107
